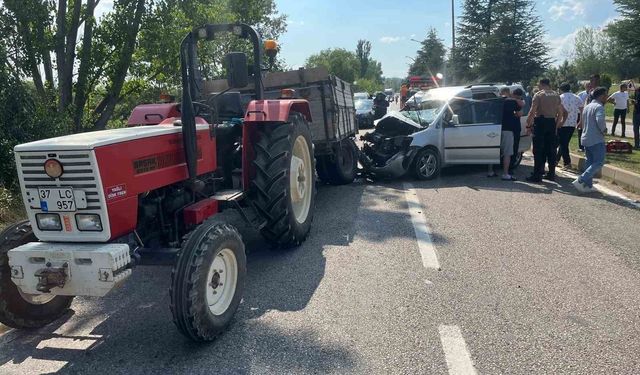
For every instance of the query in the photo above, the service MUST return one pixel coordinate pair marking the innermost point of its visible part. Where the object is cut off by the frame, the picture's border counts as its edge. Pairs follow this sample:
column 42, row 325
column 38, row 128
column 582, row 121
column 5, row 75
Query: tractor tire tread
column 12, row 237
column 271, row 183
column 186, row 300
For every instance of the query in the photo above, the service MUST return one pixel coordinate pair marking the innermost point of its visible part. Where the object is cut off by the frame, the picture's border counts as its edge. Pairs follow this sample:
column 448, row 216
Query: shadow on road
column 130, row 330
column 474, row 177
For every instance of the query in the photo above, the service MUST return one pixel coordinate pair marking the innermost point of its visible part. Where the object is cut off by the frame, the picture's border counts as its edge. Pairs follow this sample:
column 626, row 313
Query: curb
column 628, row 180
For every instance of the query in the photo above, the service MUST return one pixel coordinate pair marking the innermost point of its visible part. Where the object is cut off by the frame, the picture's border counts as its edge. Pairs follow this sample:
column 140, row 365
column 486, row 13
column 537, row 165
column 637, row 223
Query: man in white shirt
column 574, row 105
column 583, row 96
column 621, row 101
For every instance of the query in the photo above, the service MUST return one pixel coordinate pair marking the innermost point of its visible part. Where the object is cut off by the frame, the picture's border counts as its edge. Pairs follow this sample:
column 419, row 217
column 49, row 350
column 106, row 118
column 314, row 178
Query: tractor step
column 229, row 195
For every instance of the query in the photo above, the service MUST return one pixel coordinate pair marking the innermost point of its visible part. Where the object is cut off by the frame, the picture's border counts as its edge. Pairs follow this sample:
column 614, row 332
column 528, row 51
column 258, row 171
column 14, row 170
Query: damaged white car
column 450, row 125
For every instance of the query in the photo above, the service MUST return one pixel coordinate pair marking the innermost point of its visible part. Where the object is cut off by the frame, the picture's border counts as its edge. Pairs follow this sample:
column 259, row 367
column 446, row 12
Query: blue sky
column 389, row 25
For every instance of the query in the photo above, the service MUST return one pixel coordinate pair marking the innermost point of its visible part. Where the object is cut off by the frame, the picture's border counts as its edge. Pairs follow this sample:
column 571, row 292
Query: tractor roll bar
column 191, row 79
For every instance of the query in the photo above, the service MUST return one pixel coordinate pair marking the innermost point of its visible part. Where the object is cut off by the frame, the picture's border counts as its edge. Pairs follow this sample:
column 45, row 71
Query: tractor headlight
column 49, row 222
column 88, row 222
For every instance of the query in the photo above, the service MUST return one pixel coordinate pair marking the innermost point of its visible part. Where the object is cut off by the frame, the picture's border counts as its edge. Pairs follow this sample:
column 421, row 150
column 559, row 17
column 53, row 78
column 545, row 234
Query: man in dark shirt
column 520, row 98
column 510, row 124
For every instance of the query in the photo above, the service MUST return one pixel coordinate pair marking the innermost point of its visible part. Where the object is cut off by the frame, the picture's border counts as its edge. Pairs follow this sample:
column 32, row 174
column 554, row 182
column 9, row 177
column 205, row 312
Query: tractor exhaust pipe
column 189, row 140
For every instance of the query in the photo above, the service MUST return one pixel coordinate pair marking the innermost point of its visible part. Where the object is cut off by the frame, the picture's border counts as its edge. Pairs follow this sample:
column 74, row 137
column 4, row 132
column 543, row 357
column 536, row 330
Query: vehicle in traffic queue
column 361, row 96
column 364, row 113
column 449, row 126
column 389, row 94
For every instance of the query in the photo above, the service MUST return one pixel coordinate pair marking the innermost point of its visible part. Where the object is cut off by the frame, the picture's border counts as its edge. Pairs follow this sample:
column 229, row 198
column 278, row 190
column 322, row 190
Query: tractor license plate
column 56, row 199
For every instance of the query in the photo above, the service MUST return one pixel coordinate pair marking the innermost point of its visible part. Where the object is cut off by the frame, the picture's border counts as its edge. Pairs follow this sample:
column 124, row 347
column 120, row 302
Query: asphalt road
column 528, row 280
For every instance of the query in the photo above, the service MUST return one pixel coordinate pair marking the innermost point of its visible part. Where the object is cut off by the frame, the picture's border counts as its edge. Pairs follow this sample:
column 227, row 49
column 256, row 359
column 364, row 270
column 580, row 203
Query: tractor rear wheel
column 283, row 190
column 17, row 309
column 207, row 280
column 342, row 169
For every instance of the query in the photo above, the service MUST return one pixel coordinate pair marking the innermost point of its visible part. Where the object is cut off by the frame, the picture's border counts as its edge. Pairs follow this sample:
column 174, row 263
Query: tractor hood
column 91, row 140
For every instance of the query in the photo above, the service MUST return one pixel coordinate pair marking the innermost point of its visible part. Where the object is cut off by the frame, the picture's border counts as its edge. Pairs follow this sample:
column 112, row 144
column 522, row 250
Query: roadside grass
column 11, row 209
column 630, row 162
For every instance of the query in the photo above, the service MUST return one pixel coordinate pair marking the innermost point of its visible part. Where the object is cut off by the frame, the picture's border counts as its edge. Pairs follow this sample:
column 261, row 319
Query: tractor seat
column 229, row 105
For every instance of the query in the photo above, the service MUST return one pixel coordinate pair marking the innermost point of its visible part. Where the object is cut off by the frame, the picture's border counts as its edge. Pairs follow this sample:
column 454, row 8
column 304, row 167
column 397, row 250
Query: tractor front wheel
column 207, row 280
column 17, row 309
column 284, row 185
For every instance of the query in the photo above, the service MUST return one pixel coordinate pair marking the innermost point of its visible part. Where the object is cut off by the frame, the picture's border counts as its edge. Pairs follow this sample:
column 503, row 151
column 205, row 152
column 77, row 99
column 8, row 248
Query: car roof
column 446, row 93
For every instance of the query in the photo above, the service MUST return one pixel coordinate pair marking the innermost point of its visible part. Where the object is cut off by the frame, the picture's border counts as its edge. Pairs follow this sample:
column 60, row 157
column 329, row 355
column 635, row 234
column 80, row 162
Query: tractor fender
column 276, row 110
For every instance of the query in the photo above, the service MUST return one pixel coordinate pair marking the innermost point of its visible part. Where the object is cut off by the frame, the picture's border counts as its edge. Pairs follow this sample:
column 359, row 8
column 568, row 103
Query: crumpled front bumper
column 69, row 269
column 396, row 166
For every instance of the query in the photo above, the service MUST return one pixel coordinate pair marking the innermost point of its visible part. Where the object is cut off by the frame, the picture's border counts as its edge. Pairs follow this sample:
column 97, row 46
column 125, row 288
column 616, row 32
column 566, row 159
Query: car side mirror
column 455, row 120
column 237, row 70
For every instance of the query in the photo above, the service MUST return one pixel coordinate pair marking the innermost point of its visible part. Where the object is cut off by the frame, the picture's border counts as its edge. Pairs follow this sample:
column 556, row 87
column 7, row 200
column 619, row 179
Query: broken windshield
column 427, row 112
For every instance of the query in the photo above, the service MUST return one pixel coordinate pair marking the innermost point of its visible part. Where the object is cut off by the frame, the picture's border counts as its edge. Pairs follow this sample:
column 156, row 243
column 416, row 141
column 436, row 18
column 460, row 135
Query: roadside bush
column 10, row 207
column 25, row 118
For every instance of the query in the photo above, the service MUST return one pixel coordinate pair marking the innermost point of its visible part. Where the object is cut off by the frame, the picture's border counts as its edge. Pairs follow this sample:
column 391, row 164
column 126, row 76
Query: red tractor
column 100, row 203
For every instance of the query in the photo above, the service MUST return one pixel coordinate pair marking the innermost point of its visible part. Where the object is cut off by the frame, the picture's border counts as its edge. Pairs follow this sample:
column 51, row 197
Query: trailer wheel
column 427, row 164
column 342, row 170
column 284, row 186
column 207, row 280
column 17, row 309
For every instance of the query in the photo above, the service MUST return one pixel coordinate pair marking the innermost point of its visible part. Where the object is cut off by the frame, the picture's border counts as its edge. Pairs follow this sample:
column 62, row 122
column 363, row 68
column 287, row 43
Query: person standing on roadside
column 636, row 119
column 404, row 90
column 572, row 103
column 520, row 98
column 593, row 127
column 620, row 99
column 583, row 95
column 546, row 115
column 510, row 119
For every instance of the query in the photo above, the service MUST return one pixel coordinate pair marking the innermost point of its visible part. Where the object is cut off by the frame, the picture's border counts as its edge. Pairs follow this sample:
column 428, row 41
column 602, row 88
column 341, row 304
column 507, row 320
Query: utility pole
column 453, row 25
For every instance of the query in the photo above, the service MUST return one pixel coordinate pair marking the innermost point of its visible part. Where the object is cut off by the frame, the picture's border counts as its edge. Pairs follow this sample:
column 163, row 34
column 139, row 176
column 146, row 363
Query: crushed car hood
column 395, row 124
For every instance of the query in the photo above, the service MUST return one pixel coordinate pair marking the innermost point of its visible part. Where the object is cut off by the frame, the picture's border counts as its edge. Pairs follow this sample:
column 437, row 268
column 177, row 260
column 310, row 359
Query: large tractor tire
column 207, row 281
column 342, row 169
column 17, row 309
column 283, row 191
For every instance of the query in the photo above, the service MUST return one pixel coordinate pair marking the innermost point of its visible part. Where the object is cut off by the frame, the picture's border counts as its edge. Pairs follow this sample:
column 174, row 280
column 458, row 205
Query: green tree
column 430, row 58
column 625, row 29
column 591, row 51
column 473, row 26
column 363, row 53
column 338, row 61
column 104, row 55
column 499, row 40
column 563, row 73
column 393, row 83
column 367, row 85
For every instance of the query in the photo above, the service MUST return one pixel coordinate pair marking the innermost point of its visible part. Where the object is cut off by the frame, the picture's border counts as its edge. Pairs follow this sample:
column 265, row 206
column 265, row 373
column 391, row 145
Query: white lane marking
column 32, row 365
column 423, row 235
column 456, row 353
column 66, row 343
column 605, row 190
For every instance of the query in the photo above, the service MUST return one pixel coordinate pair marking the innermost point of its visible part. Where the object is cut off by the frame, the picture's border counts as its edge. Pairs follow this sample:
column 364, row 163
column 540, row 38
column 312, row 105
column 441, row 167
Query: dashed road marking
column 423, row 235
column 32, row 365
column 456, row 353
